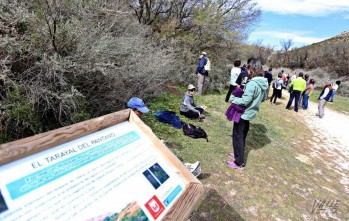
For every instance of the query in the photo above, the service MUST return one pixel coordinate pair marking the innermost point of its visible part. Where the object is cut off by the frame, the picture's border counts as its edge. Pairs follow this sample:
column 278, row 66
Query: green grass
column 340, row 104
column 274, row 184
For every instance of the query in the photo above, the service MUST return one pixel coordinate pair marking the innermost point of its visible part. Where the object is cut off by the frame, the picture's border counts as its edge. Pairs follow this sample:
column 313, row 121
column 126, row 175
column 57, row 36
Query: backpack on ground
column 194, row 131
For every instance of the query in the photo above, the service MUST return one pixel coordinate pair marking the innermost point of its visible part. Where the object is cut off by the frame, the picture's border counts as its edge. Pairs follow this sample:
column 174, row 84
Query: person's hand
column 203, row 107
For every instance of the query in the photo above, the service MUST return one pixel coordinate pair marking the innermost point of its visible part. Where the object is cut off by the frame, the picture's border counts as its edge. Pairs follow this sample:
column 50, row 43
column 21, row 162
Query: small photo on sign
column 3, row 206
column 159, row 173
column 151, row 179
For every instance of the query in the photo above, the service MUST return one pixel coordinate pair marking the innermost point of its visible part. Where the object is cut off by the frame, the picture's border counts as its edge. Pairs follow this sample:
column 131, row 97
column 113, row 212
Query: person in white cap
column 188, row 107
column 202, row 69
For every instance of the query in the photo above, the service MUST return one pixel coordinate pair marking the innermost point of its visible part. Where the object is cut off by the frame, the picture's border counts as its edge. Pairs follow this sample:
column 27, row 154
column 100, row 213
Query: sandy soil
column 331, row 139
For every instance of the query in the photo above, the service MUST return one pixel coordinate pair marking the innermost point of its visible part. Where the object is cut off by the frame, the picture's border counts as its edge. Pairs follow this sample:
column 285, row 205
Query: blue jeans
column 332, row 97
column 305, row 101
column 294, row 95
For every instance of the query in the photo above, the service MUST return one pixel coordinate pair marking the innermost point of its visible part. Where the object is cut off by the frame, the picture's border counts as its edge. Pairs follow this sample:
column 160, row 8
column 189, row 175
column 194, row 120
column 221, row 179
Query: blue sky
column 303, row 21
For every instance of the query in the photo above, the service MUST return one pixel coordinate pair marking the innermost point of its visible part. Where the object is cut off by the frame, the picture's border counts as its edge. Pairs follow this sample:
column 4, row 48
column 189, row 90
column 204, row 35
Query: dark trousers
column 240, row 131
column 294, row 95
column 230, row 91
column 192, row 114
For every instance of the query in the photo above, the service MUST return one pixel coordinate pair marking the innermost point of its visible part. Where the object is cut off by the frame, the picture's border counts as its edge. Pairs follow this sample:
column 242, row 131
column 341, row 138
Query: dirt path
column 330, row 140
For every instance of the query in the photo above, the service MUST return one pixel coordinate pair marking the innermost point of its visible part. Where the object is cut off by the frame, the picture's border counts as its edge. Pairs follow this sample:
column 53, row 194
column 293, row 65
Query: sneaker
column 202, row 116
column 233, row 165
column 231, row 154
column 194, row 168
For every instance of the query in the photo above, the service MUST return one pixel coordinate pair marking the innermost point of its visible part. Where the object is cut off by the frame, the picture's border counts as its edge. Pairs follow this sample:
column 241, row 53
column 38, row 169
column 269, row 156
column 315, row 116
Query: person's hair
column 338, row 82
column 255, row 66
column 279, row 75
column 270, row 69
column 306, row 76
column 312, row 81
column 250, row 59
column 237, row 63
column 300, row 74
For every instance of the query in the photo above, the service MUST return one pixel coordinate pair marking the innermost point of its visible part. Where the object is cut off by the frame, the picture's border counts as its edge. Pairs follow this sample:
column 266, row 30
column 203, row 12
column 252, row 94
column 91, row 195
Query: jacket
column 200, row 69
column 299, row 84
column 235, row 111
column 188, row 103
column 255, row 93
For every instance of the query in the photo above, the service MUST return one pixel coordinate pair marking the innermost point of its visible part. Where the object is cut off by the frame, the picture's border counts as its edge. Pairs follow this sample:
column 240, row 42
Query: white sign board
column 110, row 174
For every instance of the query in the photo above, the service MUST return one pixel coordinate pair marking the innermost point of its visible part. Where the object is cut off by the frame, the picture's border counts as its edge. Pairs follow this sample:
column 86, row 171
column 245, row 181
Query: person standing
column 188, row 107
column 254, row 93
column 234, row 74
column 299, row 86
column 335, row 89
column 325, row 95
column 202, row 69
column 307, row 81
column 308, row 90
column 244, row 77
column 277, row 89
column 269, row 77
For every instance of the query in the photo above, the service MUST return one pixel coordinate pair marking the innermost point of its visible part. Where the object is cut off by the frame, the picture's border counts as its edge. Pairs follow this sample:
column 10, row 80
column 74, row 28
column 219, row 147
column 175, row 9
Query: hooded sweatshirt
column 188, row 103
column 254, row 93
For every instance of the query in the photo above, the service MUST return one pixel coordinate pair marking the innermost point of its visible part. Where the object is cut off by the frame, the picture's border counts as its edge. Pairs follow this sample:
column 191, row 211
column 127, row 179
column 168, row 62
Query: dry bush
column 61, row 66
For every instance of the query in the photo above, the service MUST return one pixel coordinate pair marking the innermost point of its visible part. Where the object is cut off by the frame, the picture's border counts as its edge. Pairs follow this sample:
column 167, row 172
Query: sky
column 303, row 21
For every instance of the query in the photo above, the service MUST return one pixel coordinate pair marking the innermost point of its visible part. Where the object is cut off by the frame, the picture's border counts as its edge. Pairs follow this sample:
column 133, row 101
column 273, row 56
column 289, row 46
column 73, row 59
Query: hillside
column 331, row 55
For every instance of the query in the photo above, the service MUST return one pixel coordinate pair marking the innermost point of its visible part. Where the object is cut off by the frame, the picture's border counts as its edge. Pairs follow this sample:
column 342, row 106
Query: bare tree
column 285, row 46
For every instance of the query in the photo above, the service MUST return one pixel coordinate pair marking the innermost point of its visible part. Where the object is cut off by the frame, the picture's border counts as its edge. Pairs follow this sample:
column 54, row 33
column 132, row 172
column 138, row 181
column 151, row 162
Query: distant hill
column 342, row 37
column 331, row 55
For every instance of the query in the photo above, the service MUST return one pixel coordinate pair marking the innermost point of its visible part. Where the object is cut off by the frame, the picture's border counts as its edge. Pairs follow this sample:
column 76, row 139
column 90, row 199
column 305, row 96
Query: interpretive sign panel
column 111, row 172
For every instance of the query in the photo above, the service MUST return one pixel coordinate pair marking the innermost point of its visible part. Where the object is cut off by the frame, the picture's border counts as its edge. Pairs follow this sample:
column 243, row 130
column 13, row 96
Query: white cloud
column 304, row 7
column 274, row 38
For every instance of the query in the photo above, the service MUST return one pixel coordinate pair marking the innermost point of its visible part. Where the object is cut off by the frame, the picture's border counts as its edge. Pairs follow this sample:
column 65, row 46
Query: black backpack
column 194, row 131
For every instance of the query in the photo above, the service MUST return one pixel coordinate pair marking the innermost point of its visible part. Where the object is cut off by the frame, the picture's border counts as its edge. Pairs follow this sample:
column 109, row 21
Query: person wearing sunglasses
column 188, row 107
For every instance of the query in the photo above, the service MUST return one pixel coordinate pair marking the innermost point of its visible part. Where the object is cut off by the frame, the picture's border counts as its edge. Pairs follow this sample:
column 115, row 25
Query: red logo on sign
column 155, row 207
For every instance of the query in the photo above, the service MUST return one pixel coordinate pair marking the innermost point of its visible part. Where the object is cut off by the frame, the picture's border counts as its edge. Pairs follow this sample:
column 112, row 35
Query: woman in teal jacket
column 255, row 93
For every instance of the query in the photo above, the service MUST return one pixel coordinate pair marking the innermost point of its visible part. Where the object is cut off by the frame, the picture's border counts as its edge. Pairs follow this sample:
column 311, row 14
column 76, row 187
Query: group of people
column 249, row 87
column 300, row 88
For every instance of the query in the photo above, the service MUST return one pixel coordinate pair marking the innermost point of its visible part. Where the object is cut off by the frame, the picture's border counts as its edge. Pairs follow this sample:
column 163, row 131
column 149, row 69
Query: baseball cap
column 190, row 86
column 204, row 53
column 137, row 103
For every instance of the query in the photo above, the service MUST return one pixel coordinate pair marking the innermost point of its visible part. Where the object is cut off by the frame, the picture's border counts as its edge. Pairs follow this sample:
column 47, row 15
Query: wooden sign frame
column 182, row 207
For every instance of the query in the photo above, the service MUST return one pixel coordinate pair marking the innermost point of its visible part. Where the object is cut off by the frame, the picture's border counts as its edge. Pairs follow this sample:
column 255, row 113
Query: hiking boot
column 233, row 165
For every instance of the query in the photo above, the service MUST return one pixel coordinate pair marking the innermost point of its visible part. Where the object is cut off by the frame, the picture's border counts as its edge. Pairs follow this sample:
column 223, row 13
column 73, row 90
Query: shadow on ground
column 209, row 206
column 256, row 139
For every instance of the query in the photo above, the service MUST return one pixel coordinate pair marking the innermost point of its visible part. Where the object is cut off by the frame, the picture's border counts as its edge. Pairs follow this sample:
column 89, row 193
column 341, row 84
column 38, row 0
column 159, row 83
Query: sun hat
column 190, row 86
column 204, row 53
column 137, row 103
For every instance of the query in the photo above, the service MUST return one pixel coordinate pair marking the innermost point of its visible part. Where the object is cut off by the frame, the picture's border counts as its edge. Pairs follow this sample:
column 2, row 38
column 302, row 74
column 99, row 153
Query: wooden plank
column 25, row 147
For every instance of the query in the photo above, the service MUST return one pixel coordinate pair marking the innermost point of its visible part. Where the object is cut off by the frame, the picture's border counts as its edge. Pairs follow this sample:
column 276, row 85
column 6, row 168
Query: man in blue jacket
column 202, row 71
